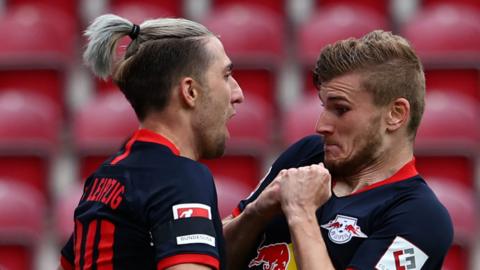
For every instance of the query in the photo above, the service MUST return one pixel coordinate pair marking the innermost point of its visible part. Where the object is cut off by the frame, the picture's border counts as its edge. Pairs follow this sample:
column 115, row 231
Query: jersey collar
column 145, row 135
column 407, row 171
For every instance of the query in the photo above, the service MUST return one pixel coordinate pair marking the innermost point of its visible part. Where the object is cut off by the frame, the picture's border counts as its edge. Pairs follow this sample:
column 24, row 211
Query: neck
column 175, row 130
column 379, row 169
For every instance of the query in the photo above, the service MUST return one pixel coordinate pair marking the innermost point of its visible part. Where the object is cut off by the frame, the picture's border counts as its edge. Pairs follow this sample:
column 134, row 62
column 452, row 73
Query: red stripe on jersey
column 105, row 246
column 66, row 264
column 236, row 212
column 145, row 135
column 189, row 258
column 92, row 230
column 128, row 148
column 407, row 171
column 78, row 243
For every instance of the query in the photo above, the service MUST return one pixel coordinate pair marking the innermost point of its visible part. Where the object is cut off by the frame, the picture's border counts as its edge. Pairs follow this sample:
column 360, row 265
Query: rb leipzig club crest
column 342, row 229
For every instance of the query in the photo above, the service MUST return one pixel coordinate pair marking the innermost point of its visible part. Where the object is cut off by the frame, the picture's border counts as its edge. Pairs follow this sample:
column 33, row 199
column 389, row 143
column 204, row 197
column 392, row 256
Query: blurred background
column 58, row 123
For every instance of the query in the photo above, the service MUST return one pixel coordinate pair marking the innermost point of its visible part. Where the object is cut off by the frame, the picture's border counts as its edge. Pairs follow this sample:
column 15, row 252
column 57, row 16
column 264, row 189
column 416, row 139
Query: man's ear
column 398, row 114
column 188, row 91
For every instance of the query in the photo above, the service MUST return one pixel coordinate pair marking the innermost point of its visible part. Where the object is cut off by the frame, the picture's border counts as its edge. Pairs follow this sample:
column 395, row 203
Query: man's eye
column 341, row 110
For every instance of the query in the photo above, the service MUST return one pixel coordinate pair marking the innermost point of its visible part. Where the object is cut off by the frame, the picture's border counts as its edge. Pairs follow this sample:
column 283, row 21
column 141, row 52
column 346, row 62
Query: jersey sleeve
column 67, row 255
column 415, row 234
column 183, row 217
column 307, row 151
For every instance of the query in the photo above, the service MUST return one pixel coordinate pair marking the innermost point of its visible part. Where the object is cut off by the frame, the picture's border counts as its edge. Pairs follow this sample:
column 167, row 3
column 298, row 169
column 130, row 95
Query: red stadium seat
column 448, row 138
column 32, row 57
column 380, row 7
column 168, row 7
column 467, row 3
column 29, row 131
column 462, row 205
column 100, row 128
column 69, row 8
column 21, row 224
column 64, row 209
column 456, row 37
column 256, row 58
column 277, row 6
column 451, row 121
column 329, row 25
column 230, row 192
column 301, row 118
column 450, row 53
column 244, row 169
column 250, row 129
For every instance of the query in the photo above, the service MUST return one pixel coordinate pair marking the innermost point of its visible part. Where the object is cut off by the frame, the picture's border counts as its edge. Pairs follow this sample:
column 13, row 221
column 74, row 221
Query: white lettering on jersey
column 196, row 239
column 402, row 255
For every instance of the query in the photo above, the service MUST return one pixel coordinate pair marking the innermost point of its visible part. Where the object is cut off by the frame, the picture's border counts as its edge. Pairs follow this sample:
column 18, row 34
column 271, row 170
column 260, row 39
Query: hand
column 303, row 190
column 267, row 204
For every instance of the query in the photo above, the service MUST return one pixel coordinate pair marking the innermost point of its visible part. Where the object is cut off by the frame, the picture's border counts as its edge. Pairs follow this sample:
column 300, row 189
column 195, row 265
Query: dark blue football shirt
column 395, row 224
column 146, row 208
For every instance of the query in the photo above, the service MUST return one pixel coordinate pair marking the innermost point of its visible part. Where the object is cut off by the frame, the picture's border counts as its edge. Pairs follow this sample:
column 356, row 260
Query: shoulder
column 418, row 215
column 305, row 151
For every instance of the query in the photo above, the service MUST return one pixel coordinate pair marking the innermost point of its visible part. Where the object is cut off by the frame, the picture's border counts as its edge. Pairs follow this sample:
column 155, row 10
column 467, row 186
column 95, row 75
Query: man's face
column 351, row 125
column 219, row 93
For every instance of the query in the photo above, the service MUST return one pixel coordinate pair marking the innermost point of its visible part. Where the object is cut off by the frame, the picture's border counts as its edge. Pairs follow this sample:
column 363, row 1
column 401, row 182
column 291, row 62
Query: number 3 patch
column 402, row 255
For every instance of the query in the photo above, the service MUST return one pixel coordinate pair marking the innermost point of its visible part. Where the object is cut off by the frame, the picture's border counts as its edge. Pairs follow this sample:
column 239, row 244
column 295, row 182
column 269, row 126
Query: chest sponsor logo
column 402, row 255
column 188, row 210
column 272, row 257
column 342, row 229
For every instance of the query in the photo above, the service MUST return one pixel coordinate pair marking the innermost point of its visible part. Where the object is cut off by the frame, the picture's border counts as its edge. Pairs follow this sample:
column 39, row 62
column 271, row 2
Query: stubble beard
column 369, row 152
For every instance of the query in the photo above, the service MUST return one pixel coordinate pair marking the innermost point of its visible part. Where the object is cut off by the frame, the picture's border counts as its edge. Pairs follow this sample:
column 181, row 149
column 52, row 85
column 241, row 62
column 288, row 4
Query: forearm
column 309, row 247
column 241, row 236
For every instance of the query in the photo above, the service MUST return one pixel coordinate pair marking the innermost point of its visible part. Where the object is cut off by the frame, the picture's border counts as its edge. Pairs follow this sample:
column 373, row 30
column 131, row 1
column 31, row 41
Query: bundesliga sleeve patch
column 402, row 255
column 196, row 239
column 188, row 210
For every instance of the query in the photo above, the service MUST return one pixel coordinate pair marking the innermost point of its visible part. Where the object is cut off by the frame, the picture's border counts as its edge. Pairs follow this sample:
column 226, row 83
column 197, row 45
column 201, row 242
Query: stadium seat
column 168, row 7
column 69, row 8
column 277, row 6
column 380, row 7
column 64, row 208
column 450, row 121
column 230, row 192
column 329, row 25
column 301, row 118
column 467, row 3
column 22, row 211
column 243, row 169
column 100, row 128
column 29, row 132
column 256, row 58
column 448, row 138
column 462, row 205
column 37, row 52
column 250, row 129
column 450, row 53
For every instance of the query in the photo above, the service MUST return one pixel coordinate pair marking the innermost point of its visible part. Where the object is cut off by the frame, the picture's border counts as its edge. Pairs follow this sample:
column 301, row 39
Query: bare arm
column 303, row 191
column 242, row 232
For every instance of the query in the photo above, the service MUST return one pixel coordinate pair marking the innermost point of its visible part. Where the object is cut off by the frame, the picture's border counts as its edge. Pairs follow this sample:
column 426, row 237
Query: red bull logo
column 272, row 257
column 342, row 229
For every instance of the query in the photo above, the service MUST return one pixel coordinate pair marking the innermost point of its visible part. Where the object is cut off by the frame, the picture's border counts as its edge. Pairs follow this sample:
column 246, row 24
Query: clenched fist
column 303, row 190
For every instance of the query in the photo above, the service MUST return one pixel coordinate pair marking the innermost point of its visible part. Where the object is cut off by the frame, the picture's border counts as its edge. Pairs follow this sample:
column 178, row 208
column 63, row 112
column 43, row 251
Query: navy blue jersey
column 146, row 208
column 397, row 223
